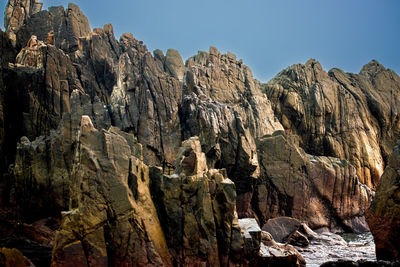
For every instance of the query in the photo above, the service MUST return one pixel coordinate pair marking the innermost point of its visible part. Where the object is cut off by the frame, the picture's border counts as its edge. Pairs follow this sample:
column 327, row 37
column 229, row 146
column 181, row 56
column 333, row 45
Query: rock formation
column 223, row 105
column 347, row 116
column 384, row 214
column 322, row 191
column 98, row 133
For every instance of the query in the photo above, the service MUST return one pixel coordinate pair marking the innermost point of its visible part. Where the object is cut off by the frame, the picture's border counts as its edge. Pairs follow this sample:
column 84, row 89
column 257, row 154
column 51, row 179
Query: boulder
column 281, row 228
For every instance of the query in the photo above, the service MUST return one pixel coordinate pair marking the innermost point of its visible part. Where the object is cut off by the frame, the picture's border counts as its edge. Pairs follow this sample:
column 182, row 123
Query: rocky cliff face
column 384, row 214
column 223, row 105
column 104, row 130
column 323, row 191
column 348, row 116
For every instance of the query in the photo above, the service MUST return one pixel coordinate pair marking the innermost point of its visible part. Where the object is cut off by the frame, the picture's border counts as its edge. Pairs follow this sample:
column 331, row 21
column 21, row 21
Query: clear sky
column 268, row 35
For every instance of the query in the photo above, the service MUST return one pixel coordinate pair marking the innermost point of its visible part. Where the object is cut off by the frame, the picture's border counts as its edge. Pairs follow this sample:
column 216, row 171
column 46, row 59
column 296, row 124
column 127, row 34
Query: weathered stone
column 33, row 54
column 320, row 191
column 174, row 64
column 196, row 207
column 384, row 214
column 112, row 219
column 67, row 26
column 347, row 116
column 224, row 106
column 17, row 12
column 144, row 100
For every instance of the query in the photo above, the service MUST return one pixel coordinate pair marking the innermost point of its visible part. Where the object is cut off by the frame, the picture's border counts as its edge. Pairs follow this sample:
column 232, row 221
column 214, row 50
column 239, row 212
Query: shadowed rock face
column 322, row 191
column 348, row 116
column 384, row 215
column 113, row 220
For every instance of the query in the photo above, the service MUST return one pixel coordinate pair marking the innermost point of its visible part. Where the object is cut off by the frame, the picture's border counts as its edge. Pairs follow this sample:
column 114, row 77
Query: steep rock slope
column 64, row 70
column 113, row 220
column 348, row 116
column 384, row 215
column 223, row 105
column 321, row 191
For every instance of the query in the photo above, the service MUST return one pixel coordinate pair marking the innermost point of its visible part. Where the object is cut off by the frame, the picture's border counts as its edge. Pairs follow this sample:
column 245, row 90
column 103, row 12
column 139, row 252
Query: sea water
column 332, row 247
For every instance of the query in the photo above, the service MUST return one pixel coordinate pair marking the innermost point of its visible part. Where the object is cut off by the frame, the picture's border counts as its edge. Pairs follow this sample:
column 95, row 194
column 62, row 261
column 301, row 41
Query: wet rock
column 273, row 253
column 384, row 214
column 327, row 246
column 262, row 250
column 298, row 239
column 347, row 116
column 360, row 263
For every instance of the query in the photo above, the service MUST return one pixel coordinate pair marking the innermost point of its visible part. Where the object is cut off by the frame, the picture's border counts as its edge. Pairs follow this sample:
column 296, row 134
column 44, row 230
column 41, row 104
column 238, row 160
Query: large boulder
column 262, row 250
column 384, row 214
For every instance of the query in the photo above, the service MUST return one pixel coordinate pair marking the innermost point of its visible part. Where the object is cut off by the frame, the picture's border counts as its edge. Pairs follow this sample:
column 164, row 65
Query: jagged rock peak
column 372, row 68
column 17, row 12
column 174, row 64
column 66, row 25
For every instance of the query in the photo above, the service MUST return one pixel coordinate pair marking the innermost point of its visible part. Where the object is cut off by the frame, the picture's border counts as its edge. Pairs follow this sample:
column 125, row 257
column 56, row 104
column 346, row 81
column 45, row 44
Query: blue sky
column 268, row 35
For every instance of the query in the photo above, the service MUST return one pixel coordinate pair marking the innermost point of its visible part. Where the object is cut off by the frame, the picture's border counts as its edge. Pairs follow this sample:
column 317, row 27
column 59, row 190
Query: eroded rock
column 197, row 208
column 347, row 116
column 320, row 191
column 384, row 214
column 112, row 219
